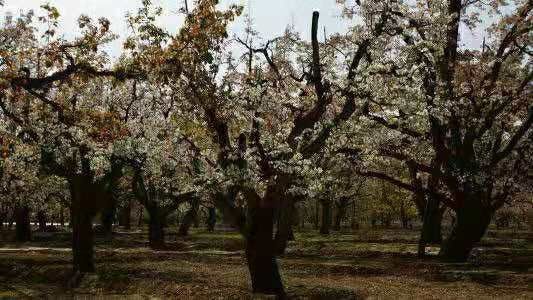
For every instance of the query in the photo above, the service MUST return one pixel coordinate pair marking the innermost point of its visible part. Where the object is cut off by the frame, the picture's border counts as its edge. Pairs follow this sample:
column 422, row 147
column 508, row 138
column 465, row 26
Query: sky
column 271, row 17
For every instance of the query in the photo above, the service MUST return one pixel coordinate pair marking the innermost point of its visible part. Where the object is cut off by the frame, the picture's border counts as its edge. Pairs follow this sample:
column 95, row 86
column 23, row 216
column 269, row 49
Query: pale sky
column 271, row 17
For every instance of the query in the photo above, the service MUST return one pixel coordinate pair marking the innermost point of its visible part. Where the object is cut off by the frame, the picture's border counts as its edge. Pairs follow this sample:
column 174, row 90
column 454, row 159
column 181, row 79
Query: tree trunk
column 23, row 225
column 326, row 217
column 211, row 219
column 473, row 219
column 125, row 216
column 156, row 231
column 285, row 218
column 189, row 218
column 261, row 254
column 83, row 242
column 81, row 218
column 41, row 219
column 431, row 232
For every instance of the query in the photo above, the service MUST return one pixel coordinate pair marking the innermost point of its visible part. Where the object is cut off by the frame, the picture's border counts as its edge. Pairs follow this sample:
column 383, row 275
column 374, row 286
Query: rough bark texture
column 431, row 232
column 285, row 217
column 473, row 219
column 261, row 254
column 156, row 232
column 82, row 228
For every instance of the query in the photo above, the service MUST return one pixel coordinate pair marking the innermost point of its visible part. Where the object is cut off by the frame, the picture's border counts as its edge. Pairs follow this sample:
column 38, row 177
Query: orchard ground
column 362, row 264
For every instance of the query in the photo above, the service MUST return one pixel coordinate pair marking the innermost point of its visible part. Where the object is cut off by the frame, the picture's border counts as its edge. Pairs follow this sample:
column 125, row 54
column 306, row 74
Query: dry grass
column 369, row 264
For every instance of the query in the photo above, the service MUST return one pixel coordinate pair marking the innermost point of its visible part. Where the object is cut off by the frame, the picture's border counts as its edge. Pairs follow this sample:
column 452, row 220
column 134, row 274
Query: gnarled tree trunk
column 473, row 219
column 261, row 253
column 431, row 232
column 156, row 231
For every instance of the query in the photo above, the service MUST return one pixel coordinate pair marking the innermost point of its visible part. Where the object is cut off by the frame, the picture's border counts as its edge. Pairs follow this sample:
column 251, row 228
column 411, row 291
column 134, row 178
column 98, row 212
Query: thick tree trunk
column 211, row 219
column 431, row 232
column 23, row 225
column 473, row 219
column 326, row 217
column 189, row 218
column 83, row 243
column 285, row 220
column 156, row 231
column 81, row 218
column 261, row 254
column 41, row 220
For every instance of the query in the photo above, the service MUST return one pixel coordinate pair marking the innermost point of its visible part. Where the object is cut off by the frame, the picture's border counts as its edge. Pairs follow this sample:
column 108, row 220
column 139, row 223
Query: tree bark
column 285, row 219
column 431, row 232
column 473, row 219
column 83, row 243
column 326, row 217
column 261, row 254
column 156, row 231
column 81, row 217
column 23, row 225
